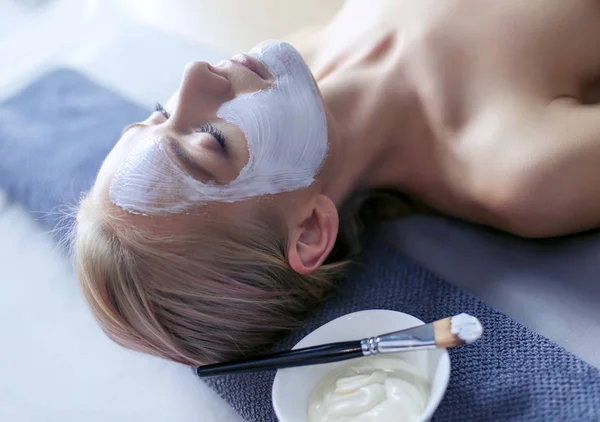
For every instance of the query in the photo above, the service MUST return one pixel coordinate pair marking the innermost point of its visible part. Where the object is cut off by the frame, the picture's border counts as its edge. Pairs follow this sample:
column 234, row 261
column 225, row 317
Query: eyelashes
column 215, row 132
column 205, row 128
column 158, row 107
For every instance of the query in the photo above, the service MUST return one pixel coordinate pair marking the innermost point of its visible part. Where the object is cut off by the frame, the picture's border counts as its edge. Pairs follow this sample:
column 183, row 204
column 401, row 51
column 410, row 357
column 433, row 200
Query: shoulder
column 501, row 125
column 498, row 144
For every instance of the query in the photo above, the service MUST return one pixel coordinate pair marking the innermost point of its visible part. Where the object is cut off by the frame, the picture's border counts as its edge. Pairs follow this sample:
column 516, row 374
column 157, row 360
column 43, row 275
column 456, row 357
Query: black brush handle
column 326, row 353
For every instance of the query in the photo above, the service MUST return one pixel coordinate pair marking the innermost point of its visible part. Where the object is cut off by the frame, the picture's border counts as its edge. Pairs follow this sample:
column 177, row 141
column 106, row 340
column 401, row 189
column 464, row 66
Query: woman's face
column 246, row 127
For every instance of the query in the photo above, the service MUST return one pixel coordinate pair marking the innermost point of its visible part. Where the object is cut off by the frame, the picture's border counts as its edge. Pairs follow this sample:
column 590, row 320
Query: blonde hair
column 202, row 296
column 192, row 296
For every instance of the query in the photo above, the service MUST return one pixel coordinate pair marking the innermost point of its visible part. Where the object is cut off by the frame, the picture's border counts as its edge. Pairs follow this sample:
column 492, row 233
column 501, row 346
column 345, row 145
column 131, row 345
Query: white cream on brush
column 286, row 130
column 377, row 388
column 466, row 327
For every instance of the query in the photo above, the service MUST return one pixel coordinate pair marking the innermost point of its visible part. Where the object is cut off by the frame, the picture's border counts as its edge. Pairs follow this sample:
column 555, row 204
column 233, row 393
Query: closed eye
column 205, row 128
column 215, row 133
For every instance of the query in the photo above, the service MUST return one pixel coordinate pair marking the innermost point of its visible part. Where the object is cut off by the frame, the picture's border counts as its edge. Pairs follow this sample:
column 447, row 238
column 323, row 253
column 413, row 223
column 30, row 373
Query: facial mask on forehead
column 286, row 130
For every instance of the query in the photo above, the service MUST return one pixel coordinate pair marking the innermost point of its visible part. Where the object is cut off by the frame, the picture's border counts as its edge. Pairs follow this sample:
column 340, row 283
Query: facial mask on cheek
column 285, row 127
column 286, row 130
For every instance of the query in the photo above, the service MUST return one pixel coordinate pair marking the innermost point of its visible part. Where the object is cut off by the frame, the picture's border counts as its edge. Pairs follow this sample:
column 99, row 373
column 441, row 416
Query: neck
column 377, row 129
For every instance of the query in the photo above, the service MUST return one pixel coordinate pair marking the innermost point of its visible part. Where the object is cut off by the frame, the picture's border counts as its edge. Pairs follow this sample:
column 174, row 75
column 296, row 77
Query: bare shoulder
column 535, row 166
column 494, row 138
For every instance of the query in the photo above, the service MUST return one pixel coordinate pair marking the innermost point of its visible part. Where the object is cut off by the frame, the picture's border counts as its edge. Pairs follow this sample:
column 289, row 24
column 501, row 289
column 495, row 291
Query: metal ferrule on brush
column 422, row 337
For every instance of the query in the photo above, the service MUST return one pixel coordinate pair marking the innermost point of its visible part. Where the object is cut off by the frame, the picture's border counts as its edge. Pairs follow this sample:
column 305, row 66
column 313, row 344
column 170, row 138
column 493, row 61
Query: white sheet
column 55, row 362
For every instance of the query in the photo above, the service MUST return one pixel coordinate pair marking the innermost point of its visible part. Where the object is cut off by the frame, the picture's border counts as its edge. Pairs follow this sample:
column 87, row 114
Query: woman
column 212, row 225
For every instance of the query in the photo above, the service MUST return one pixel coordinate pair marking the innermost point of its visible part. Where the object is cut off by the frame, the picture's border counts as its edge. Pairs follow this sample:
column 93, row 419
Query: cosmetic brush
column 444, row 333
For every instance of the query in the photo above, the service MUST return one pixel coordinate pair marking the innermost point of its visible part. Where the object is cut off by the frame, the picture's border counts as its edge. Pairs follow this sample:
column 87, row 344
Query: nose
column 201, row 93
column 199, row 74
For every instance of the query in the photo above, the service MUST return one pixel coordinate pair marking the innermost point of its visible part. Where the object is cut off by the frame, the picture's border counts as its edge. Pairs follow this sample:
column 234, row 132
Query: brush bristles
column 443, row 335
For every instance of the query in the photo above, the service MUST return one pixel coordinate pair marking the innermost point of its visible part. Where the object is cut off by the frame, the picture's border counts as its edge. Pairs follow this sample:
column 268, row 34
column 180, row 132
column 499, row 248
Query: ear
column 313, row 237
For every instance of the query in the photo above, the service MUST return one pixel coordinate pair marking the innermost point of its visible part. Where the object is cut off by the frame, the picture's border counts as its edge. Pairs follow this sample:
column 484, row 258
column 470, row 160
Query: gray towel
column 53, row 138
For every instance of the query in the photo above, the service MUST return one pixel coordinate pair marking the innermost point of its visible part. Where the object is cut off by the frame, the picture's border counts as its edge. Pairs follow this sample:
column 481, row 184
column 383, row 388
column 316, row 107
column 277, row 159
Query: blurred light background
column 232, row 25
column 132, row 36
column 226, row 25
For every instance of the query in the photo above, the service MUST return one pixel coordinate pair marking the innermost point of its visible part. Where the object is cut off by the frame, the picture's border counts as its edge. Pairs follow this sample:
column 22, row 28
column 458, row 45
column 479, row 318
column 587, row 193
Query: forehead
column 113, row 161
column 123, row 148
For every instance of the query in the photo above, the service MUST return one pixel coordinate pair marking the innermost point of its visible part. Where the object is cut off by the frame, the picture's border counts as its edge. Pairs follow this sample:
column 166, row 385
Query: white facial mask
column 286, row 130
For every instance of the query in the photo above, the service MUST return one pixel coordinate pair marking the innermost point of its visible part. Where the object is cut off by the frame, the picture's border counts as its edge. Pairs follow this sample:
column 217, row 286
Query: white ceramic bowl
column 292, row 386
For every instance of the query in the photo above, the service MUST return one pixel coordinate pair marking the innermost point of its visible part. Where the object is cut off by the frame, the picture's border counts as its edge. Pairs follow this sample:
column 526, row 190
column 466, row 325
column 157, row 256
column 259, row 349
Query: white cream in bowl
column 401, row 379
column 378, row 388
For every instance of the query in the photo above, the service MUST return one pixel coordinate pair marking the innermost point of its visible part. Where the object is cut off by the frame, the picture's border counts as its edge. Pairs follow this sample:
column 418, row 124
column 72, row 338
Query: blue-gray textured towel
column 55, row 134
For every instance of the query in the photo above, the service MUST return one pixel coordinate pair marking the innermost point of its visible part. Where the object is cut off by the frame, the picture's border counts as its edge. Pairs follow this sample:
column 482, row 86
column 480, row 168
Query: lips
column 251, row 64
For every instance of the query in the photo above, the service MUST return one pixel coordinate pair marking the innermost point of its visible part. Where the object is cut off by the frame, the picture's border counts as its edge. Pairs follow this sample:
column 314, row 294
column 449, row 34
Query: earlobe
column 314, row 236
